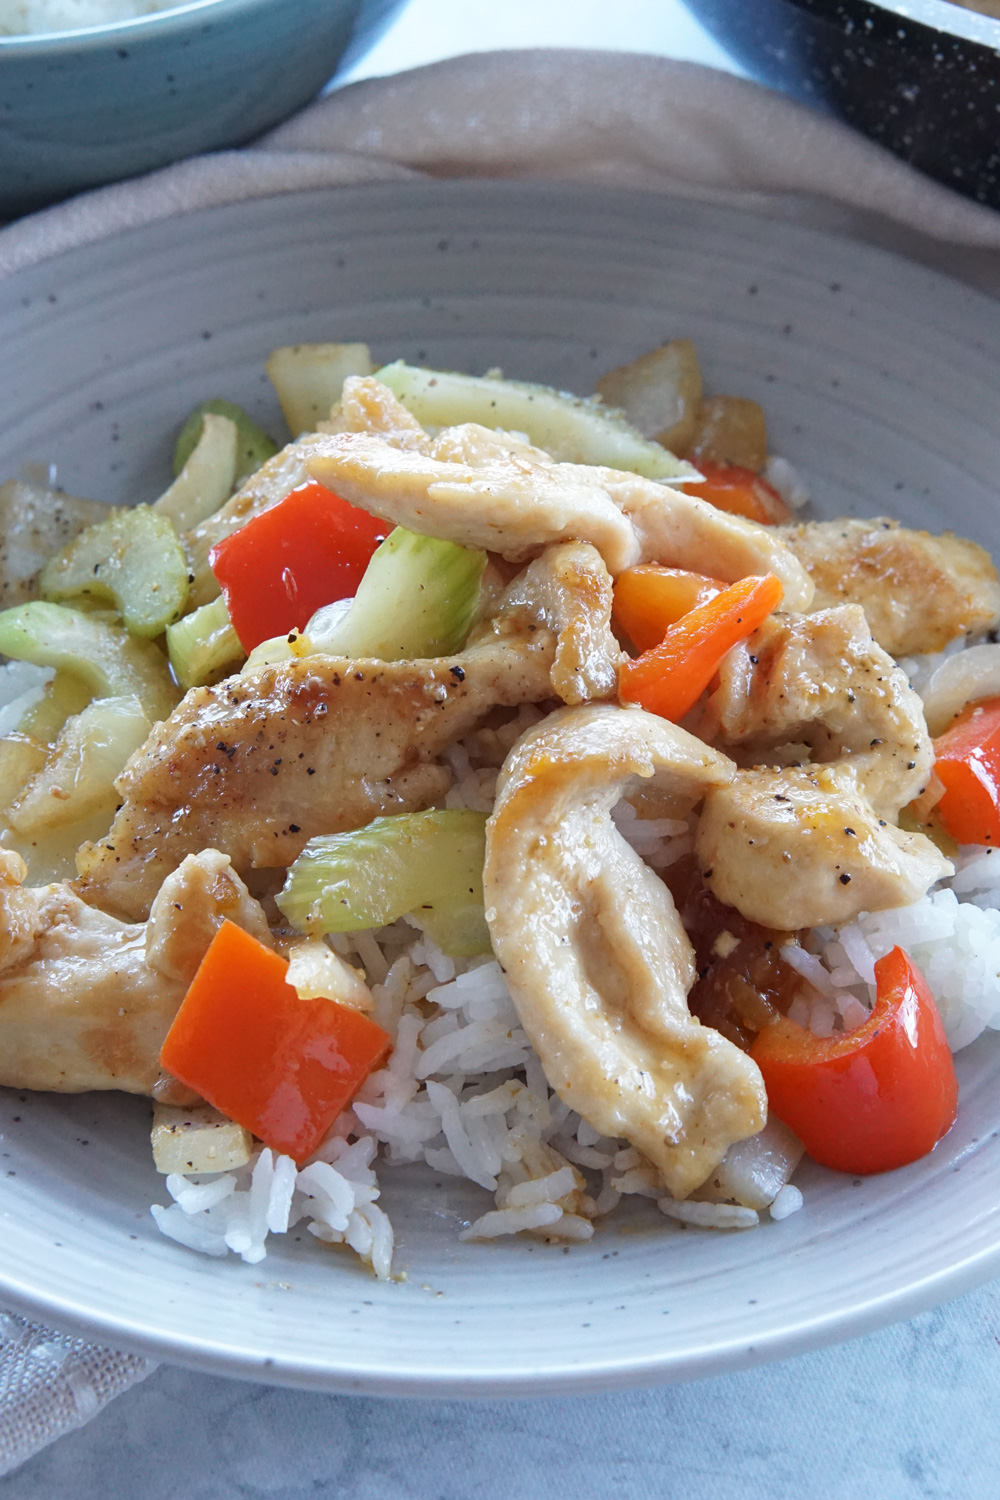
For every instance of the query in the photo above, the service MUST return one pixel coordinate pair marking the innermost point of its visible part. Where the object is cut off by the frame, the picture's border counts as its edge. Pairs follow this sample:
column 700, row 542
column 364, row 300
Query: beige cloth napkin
column 605, row 118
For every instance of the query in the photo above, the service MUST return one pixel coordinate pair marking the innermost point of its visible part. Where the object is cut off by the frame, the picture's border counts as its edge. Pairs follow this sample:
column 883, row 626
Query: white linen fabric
column 51, row 1382
column 600, row 117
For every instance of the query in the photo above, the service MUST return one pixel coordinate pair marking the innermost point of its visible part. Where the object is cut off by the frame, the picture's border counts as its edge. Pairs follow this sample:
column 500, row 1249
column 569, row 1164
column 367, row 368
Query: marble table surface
column 908, row 1412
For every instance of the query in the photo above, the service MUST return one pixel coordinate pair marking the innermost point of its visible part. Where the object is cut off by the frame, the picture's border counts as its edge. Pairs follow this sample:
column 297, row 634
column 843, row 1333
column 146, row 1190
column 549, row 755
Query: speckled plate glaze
column 881, row 382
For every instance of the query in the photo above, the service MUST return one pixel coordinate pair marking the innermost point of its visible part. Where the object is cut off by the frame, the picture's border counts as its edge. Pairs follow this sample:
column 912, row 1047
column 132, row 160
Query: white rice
column 39, row 17
column 780, row 474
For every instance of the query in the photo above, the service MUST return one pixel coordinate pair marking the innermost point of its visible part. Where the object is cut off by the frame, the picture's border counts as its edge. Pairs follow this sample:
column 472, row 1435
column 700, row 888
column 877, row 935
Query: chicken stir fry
column 596, row 957
column 262, row 763
column 469, row 672
column 489, row 489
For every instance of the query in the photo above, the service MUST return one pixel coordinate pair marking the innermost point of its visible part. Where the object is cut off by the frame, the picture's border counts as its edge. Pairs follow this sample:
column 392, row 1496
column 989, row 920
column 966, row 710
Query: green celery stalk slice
column 254, row 447
column 418, row 598
column 65, row 696
column 428, row 864
column 132, row 560
column 104, row 657
column 204, row 646
column 206, row 481
column 573, row 429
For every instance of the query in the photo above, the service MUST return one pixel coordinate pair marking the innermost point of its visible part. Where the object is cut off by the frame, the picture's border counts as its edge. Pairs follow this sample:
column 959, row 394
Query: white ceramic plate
column 881, row 383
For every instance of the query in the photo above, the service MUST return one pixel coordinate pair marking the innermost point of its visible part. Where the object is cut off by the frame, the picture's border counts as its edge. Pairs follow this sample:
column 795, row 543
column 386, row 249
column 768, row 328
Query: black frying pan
column 921, row 77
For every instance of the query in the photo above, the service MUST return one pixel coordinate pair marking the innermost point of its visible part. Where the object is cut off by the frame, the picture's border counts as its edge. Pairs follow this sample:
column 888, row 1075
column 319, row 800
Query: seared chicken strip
column 86, row 1000
column 598, row 963
column 260, row 763
column 821, row 681
column 918, row 591
column 488, row 489
column 801, row 847
column 568, row 589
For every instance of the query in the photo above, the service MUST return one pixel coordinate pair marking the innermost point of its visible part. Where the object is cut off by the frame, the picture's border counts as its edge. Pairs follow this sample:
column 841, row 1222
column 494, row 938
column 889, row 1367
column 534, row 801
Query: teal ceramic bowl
column 82, row 108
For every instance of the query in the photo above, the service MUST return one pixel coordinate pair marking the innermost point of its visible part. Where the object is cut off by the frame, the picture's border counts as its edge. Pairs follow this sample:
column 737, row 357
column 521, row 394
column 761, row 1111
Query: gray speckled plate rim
column 584, row 1378
column 587, row 1373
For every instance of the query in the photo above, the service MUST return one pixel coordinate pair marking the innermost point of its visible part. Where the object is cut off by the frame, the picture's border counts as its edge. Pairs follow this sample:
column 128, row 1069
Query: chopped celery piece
column 105, row 658
column 206, row 481
column 64, row 696
column 573, row 429
column 35, row 522
column 134, row 560
column 21, row 758
column 253, row 447
column 204, row 645
column 418, row 598
column 429, row 864
column 78, row 778
column 309, row 379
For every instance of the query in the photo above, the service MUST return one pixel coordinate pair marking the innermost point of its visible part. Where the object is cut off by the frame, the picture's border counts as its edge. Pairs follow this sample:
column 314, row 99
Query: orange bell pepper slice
column 741, row 492
column 649, row 599
column 670, row 678
column 967, row 761
column 281, row 1067
column 872, row 1099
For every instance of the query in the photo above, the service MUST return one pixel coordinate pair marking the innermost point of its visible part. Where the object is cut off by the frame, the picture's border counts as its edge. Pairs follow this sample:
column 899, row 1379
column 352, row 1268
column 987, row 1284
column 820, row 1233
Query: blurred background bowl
column 919, row 76
column 82, row 108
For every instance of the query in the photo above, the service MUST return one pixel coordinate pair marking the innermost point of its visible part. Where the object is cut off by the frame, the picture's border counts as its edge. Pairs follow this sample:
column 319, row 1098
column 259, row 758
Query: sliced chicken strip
column 919, row 591
column 680, row 531
column 800, row 847
column 86, row 1000
column 568, row 589
column 597, row 961
column 820, row 680
column 260, row 763
column 487, row 489
column 514, row 504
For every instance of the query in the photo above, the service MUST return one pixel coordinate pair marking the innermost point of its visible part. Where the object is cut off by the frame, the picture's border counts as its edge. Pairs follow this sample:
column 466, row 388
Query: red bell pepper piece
column 282, row 1067
column 670, row 678
column 741, row 492
column 872, row 1099
column 309, row 549
column 967, row 761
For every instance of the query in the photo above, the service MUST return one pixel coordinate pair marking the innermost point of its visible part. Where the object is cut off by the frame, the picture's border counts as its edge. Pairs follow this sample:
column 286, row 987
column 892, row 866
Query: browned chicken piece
column 919, row 591
column 488, row 489
column 261, row 763
column 801, row 847
column 568, row 589
column 598, row 963
column 819, row 684
column 86, row 1000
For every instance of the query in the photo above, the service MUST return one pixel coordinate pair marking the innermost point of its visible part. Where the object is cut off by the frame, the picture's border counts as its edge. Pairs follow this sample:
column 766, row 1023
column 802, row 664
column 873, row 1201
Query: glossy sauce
column 742, row 981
